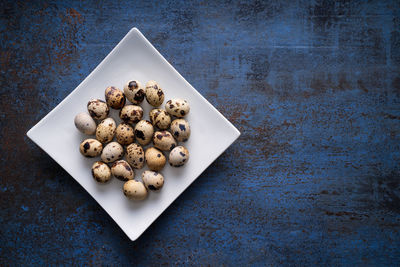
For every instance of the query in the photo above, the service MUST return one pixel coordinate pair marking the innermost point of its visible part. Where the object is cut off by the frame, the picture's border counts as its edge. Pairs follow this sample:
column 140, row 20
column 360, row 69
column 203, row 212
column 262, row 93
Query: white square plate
column 134, row 58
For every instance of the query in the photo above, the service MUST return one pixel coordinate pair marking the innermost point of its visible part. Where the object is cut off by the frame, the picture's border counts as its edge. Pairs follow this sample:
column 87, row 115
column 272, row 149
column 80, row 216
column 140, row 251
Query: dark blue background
column 314, row 87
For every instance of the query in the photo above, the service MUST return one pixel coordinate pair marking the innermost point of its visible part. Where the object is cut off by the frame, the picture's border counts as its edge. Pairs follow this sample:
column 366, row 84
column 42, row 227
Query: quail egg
column 144, row 132
column 164, row 140
column 134, row 92
column 180, row 129
column 98, row 109
column 160, row 118
column 101, row 172
column 177, row 107
column 178, row 156
column 135, row 190
column 112, row 152
column 155, row 159
column 124, row 134
column 152, row 180
column 115, row 98
column 91, row 148
column 131, row 114
column 122, row 171
column 105, row 130
column 135, row 155
column 154, row 94
column 85, row 124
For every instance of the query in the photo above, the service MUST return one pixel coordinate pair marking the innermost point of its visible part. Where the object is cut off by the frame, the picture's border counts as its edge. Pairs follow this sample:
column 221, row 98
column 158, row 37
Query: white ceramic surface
column 134, row 58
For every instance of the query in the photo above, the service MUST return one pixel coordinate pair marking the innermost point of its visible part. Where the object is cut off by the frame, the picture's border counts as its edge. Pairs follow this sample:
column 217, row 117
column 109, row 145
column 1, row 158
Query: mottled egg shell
column 152, row 180
column 144, row 132
column 154, row 94
column 155, row 159
column 105, row 130
column 134, row 92
column 101, row 172
column 98, row 109
column 178, row 156
column 135, row 190
column 164, row 140
column 85, row 124
column 131, row 114
column 115, row 98
column 90, row 148
column 112, row 152
column 160, row 118
column 177, row 107
column 135, row 156
column 124, row 134
column 122, row 171
column 180, row 129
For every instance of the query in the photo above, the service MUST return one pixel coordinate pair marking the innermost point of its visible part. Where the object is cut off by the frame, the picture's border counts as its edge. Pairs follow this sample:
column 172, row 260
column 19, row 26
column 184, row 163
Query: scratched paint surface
column 314, row 87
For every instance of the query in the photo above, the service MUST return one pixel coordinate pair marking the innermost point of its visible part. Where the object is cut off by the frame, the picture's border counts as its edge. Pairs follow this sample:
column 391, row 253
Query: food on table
column 134, row 127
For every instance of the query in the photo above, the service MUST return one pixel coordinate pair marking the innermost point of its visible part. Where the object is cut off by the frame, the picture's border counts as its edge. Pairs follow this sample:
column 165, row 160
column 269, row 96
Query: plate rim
column 235, row 134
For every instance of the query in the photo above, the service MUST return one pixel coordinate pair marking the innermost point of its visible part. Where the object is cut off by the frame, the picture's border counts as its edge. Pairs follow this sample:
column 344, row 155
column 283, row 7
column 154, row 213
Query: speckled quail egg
column 178, row 156
column 122, row 171
column 90, row 148
column 105, row 130
column 101, row 172
column 177, row 107
column 131, row 114
column 155, row 159
column 152, row 180
column 160, row 118
column 135, row 190
column 135, row 155
column 112, row 152
column 144, row 132
column 180, row 129
column 115, row 98
column 98, row 109
column 134, row 92
column 164, row 140
column 124, row 134
column 84, row 123
column 154, row 94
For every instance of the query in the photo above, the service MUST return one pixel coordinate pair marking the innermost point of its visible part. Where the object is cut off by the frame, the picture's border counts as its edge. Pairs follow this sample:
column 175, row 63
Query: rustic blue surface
column 314, row 87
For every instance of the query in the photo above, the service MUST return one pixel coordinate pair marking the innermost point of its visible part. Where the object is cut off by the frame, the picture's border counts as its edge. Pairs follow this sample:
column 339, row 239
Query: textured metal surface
column 314, row 87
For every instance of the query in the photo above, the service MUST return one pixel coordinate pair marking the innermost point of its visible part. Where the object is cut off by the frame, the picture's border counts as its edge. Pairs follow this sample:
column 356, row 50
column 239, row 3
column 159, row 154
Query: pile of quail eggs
column 166, row 128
